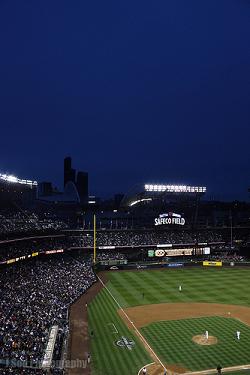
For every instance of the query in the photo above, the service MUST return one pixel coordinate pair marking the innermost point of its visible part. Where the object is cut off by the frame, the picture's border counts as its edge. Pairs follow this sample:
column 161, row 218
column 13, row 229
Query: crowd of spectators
column 24, row 221
column 14, row 249
column 227, row 256
column 107, row 255
column 146, row 237
column 35, row 295
column 9, row 250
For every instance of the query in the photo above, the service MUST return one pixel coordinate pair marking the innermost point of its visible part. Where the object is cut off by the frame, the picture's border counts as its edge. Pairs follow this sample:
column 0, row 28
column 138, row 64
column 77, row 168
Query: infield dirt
column 146, row 314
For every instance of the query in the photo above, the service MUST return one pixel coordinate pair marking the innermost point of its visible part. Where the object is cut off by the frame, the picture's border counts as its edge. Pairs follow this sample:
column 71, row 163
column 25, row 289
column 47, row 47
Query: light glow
column 16, row 180
column 139, row 200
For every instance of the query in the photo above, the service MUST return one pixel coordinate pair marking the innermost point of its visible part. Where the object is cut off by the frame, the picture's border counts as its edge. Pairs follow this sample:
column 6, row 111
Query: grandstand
column 16, row 191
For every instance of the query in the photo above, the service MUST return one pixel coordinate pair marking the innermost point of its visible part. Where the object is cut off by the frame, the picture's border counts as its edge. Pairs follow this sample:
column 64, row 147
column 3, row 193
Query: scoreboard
column 178, row 252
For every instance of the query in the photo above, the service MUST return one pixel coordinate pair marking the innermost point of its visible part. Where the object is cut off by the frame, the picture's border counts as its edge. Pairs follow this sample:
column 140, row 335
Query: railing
column 47, row 360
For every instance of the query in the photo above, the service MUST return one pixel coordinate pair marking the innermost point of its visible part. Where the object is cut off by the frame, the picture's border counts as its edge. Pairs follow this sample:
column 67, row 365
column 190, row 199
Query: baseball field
column 141, row 318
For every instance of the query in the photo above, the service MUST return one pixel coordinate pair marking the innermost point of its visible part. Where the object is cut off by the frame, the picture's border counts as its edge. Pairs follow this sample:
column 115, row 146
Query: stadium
column 158, row 285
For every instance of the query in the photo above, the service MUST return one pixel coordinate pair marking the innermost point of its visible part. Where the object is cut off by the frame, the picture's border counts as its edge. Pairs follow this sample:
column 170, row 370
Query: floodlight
column 175, row 188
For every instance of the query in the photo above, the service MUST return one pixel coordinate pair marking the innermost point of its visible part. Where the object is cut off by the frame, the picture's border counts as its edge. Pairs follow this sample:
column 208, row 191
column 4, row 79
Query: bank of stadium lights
column 16, row 180
column 175, row 188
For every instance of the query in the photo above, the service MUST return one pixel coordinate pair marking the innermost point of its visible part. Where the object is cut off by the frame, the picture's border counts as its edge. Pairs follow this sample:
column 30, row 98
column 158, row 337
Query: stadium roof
column 70, row 195
column 147, row 193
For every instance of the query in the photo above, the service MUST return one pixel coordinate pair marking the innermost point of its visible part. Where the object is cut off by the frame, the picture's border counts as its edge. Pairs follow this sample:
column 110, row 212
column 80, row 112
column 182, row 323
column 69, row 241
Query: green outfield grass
column 220, row 285
column 107, row 357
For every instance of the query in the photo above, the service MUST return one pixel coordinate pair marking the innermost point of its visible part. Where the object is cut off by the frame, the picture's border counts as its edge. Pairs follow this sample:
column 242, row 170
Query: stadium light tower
column 16, row 180
column 174, row 188
column 94, row 257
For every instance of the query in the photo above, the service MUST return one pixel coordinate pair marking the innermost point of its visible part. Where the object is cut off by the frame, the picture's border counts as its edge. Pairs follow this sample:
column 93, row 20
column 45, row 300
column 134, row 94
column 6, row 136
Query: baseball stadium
column 159, row 285
column 174, row 311
column 125, row 187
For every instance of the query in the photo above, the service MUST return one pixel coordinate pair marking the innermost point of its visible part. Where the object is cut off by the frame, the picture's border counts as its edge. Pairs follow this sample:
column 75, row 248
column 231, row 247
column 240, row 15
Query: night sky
column 135, row 91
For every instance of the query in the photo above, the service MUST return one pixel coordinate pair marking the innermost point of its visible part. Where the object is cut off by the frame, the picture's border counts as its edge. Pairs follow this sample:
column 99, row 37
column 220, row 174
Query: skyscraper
column 82, row 184
column 69, row 172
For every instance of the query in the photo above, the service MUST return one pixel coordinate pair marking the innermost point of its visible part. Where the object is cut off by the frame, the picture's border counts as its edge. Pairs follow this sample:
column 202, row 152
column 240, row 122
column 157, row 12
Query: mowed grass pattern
column 220, row 285
column 172, row 341
column 107, row 357
column 213, row 285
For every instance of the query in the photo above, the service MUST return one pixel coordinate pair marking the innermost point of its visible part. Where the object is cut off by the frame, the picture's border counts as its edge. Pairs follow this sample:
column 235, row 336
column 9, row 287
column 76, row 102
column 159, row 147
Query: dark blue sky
column 134, row 91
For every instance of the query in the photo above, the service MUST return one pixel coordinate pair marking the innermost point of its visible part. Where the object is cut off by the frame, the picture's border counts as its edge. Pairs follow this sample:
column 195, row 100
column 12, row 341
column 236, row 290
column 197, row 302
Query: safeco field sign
column 169, row 219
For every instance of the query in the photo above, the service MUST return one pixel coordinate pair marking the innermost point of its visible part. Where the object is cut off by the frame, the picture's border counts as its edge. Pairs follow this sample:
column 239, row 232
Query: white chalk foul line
column 133, row 325
column 152, row 363
column 115, row 329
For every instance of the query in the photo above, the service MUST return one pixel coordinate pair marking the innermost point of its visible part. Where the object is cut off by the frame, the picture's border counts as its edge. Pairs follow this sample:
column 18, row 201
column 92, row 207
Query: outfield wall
column 172, row 265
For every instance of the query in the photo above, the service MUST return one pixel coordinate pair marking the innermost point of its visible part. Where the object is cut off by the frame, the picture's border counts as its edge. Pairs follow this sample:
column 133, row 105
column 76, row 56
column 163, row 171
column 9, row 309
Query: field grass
column 172, row 341
column 229, row 286
column 107, row 357
column 223, row 285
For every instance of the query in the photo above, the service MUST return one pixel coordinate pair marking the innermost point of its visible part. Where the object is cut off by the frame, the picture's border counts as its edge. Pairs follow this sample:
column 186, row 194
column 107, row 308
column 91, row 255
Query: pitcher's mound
column 201, row 340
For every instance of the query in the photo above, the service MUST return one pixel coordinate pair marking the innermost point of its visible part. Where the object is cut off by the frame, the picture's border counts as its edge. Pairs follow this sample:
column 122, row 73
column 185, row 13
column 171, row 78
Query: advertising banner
column 213, row 264
column 54, row 251
column 151, row 253
column 173, row 252
column 176, row 265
